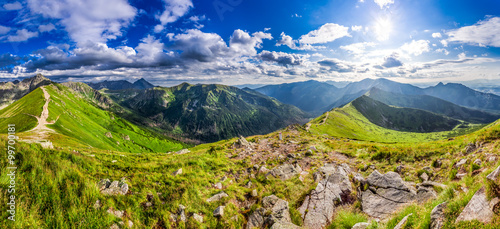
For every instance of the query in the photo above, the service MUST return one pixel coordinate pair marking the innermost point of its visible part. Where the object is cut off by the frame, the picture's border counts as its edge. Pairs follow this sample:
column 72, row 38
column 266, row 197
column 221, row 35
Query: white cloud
column 356, row 27
column 87, row 20
column 436, row 35
column 242, row 43
column 444, row 51
column 384, row 3
column 296, row 15
column 282, row 58
column 358, row 48
column 444, row 43
column 200, row 46
column 4, row 29
column 416, row 48
column 326, row 33
column 291, row 43
column 46, row 28
column 13, row 6
column 483, row 33
column 22, row 35
column 174, row 9
column 462, row 56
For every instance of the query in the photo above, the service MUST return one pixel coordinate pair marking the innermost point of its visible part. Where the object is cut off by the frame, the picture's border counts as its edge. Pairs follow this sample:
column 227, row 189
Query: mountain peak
column 440, row 84
column 142, row 84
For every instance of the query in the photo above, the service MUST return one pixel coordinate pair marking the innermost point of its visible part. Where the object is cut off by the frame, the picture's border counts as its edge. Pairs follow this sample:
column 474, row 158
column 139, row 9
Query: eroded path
column 41, row 132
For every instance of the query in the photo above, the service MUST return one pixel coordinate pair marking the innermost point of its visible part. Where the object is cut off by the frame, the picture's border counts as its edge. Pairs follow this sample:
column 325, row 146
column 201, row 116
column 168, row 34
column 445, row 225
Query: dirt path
column 41, row 132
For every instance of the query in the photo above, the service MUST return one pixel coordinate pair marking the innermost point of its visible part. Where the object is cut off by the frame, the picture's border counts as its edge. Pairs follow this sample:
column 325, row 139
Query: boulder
column 286, row 171
column 116, row 213
column 386, row 194
column 217, row 197
column 478, row 162
column 424, row 194
column 219, row 211
column 362, row 225
column 242, row 143
column 112, row 188
column 494, row 175
column 318, row 207
column 478, row 208
column 438, row 216
column 424, row 177
column 218, row 185
column 274, row 213
column 178, row 172
column 255, row 193
column 198, row 218
column 471, row 147
column 402, row 223
column 460, row 163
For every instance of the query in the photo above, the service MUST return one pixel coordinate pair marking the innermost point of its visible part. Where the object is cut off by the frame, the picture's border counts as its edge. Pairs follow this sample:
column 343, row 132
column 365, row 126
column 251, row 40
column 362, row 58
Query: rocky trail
column 41, row 132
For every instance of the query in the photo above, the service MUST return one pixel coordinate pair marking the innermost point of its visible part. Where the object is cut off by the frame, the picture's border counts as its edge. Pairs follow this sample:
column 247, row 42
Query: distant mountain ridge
column 331, row 97
column 121, row 85
column 12, row 91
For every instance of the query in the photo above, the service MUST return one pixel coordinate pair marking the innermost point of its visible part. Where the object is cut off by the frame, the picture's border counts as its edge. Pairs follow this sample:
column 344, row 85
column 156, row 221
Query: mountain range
column 121, row 84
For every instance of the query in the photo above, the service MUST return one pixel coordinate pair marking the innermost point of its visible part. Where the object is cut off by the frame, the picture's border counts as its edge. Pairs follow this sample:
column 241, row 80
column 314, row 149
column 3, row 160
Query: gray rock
column 438, row 216
column 109, row 135
column 284, row 225
column 97, row 204
column 255, row 193
column 274, row 212
column 318, row 207
column 425, row 194
column 478, row 208
column 478, row 162
column 183, row 151
column 402, row 223
column 116, row 213
column 124, row 188
column 182, row 213
column 471, row 147
column 242, row 143
column 362, row 225
column 178, row 172
column 198, row 218
column 388, row 180
column 113, row 188
column 217, row 197
column 492, row 159
column 248, row 185
column 424, row 177
column 399, row 169
column 103, row 184
column 494, row 175
column 263, row 170
column 286, row 171
column 219, row 211
column 460, row 163
column 387, row 193
column 218, row 186
column 114, row 226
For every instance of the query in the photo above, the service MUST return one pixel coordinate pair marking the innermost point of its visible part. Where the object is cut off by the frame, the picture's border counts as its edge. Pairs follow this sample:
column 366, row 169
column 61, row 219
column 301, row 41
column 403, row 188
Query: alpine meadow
column 329, row 114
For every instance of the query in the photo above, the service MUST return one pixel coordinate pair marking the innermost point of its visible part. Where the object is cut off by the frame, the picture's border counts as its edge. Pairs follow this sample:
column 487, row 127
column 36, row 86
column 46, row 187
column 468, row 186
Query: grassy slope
column 348, row 122
column 16, row 113
column 401, row 118
column 79, row 119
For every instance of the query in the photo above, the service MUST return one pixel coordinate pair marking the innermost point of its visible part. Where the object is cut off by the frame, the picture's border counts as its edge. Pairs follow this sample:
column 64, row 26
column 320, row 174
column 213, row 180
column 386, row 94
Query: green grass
column 17, row 113
column 347, row 122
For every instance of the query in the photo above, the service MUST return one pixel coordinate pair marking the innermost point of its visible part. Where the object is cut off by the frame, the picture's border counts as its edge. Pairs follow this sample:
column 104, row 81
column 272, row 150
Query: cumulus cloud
column 13, row 6
column 416, row 48
column 357, row 48
column 87, row 20
column 384, row 3
column 4, row 30
column 392, row 61
column 174, row 9
column 444, row 43
column 282, row 58
column 197, row 45
column 356, row 28
column 326, row 33
column 294, row 44
column 444, row 51
column 336, row 65
column 436, row 35
column 46, row 28
column 22, row 35
column 242, row 43
column 483, row 33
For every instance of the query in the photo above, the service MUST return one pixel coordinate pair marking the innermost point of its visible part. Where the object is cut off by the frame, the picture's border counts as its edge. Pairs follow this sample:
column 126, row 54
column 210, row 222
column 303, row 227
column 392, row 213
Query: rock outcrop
column 387, row 193
column 286, row 171
column 217, row 197
column 478, row 208
column 107, row 187
column 334, row 189
column 274, row 214
column 437, row 216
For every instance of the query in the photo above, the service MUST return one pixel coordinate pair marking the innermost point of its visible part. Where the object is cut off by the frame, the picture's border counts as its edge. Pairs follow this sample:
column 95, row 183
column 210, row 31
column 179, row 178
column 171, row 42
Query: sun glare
column 383, row 28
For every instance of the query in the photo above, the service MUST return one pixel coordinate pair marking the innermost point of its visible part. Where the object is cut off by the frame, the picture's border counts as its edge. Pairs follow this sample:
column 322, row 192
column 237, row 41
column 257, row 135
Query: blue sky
column 251, row 41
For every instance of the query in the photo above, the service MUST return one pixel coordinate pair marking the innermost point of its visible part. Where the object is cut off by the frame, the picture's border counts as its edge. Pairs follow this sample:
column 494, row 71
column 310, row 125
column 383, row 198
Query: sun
column 382, row 28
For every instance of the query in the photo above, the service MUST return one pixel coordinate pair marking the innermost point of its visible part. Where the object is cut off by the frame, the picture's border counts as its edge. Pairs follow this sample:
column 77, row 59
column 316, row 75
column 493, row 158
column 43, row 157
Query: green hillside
column 79, row 122
column 432, row 104
column 402, row 119
column 207, row 112
column 349, row 122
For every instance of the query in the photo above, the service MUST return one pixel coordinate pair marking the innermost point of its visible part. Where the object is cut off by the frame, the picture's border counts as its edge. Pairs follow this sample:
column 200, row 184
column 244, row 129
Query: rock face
column 478, row 208
column 318, row 208
column 437, row 216
column 274, row 213
column 286, row 171
column 217, row 197
column 402, row 223
column 494, row 175
column 387, row 193
column 112, row 188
